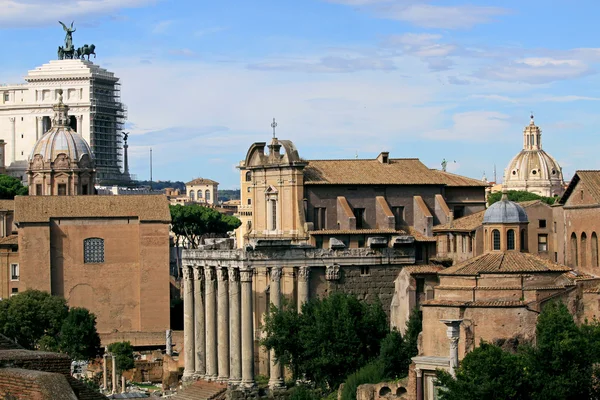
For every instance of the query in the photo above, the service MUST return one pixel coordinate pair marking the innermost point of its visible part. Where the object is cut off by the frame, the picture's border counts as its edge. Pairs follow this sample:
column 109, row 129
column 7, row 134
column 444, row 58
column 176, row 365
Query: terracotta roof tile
column 7, row 205
column 467, row 223
column 358, row 232
column 591, row 179
column 509, row 262
column 42, row 208
column 423, row 269
column 419, row 237
column 479, row 303
column 399, row 171
column 9, row 240
column 202, row 181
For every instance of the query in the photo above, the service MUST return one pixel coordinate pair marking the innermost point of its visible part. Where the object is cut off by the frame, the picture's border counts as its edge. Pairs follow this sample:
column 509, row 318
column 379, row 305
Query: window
column 542, row 223
column 199, row 194
column 594, row 249
column 62, row 189
column 496, row 239
column 573, row 257
column 523, row 240
column 365, row 271
column 542, row 243
column 249, row 202
column 14, row 272
column 554, row 226
column 6, row 97
column 191, row 195
column 510, row 239
column 454, row 243
column 14, row 291
column 359, row 213
column 459, row 211
column 84, row 189
column 207, row 195
column 272, row 213
column 581, row 194
column 399, row 216
column 448, row 242
column 249, row 176
column 361, row 241
column 38, row 189
column 320, row 219
column 583, row 250
column 93, row 250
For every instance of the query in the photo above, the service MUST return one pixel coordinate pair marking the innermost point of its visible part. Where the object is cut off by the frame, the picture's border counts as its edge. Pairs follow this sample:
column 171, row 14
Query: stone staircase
column 201, row 390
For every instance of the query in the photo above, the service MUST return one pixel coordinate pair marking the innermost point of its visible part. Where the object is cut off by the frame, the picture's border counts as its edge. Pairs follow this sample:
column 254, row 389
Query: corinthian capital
column 246, row 275
column 276, row 274
column 303, row 273
column 234, row 274
column 198, row 273
column 187, row 272
column 209, row 273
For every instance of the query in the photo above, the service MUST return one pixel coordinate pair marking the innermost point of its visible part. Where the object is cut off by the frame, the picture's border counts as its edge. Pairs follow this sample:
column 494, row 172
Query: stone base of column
column 247, row 385
column 223, row 379
column 188, row 379
column 276, row 384
column 211, row 378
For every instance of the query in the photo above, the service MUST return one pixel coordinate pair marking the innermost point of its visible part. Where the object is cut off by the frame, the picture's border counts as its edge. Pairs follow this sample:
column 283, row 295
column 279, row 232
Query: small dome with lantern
column 533, row 169
column 61, row 162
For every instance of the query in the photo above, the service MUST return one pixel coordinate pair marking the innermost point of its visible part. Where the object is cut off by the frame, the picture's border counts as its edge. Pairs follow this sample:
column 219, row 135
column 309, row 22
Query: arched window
column 510, row 239
column 207, row 195
column 573, row 258
column 249, row 176
column 448, row 242
column 93, row 250
column 594, row 250
column 523, row 240
column 583, row 250
column 191, row 195
column 199, row 194
column 496, row 239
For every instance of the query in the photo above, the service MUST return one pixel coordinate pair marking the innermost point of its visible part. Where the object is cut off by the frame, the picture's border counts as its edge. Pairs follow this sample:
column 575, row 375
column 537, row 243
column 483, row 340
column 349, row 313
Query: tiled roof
column 591, row 179
column 509, row 262
column 400, row 171
column 467, row 223
column 358, row 232
column 42, row 208
column 202, row 181
column 423, row 269
column 9, row 240
column 419, row 237
column 7, row 205
column 478, row 303
column 578, row 276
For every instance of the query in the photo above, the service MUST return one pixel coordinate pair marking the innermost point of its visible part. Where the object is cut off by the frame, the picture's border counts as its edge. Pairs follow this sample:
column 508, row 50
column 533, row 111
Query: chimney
column 384, row 157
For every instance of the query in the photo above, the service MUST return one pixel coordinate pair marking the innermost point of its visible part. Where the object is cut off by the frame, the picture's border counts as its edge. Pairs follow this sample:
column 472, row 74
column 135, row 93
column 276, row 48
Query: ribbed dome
column 532, row 169
column 505, row 212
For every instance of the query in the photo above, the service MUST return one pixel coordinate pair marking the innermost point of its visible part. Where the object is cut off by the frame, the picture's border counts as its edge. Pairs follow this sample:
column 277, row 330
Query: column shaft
column 223, row 323
column 303, row 288
column 13, row 131
column 114, row 374
column 419, row 384
column 210, row 324
column 104, row 372
column 247, row 329
column 200, row 340
column 235, row 334
column 188, row 322
column 276, row 372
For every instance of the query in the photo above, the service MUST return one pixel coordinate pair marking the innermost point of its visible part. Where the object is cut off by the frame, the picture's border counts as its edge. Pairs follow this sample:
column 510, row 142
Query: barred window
column 496, row 239
column 93, row 250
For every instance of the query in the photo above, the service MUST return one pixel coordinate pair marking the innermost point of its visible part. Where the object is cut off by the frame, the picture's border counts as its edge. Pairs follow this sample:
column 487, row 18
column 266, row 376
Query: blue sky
column 202, row 80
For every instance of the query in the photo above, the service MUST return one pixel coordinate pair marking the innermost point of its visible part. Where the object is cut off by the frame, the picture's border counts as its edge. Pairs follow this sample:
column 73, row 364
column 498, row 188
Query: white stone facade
column 90, row 92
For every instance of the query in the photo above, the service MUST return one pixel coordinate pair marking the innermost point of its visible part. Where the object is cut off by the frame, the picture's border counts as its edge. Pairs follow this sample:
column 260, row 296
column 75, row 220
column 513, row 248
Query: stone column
column 276, row 372
column 13, row 139
column 235, row 335
column 188, row 323
column 169, row 342
column 303, row 278
column 419, row 383
column 199, row 339
column 123, row 384
column 210, row 324
column 114, row 374
column 223, row 323
column 247, row 329
column 80, row 124
column 105, row 369
column 453, row 333
column 39, row 127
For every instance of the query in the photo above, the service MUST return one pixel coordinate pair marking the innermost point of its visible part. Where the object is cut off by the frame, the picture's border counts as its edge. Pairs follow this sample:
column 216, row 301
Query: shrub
column 373, row 372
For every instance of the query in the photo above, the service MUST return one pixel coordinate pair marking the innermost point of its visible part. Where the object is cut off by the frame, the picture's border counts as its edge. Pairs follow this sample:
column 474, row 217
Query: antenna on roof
column 356, row 155
column 150, row 168
column 495, row 180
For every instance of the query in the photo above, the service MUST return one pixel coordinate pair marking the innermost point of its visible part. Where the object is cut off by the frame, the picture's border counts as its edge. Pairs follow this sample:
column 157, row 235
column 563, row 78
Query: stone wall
column 383, row 391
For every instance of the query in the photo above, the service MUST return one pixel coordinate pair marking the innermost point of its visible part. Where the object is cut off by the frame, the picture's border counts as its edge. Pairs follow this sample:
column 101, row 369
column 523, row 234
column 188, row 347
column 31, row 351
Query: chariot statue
column 68, row 51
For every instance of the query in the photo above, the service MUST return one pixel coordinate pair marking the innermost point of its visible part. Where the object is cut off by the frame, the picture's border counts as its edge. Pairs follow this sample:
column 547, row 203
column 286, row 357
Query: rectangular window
column 14, row 272
column 555, row 257
column 359, row 213
column 62, row 189
column 93, row 251
column 554, row 226
column 399, row 216
column 361, row 241
column 14, row 291
column 318, row 241
column 84, row 189
column 38, row 189
column 273, row 215
column 6, row 97
column 320, row 218
column 542, row 243
column 459, row 211
column 365, row 271
column 542, row 223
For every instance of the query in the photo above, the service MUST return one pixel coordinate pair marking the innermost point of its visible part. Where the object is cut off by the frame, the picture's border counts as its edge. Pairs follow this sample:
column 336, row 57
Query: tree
column 194, row 221
column 331, row 338
column 78, row 336
column 520, row 195
column 397, row 352
column 123, row 352
column 11, row 187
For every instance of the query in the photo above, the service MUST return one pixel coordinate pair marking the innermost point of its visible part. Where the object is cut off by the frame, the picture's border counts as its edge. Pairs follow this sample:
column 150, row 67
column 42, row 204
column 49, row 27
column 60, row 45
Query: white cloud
column 442, row 17
column 328, row 64
column 537, row 70
column 19, row 13
column 473, row 126
column 426, row 47
column 162, row 26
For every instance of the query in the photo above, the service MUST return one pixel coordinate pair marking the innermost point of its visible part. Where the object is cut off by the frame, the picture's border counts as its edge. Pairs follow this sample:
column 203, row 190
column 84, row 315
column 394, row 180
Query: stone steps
column 201, row 390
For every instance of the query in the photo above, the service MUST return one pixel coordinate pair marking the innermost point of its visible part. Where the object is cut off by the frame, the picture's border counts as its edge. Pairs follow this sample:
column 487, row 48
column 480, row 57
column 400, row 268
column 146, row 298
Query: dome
column 532, row 169
column 505, row 212
column 61, row 139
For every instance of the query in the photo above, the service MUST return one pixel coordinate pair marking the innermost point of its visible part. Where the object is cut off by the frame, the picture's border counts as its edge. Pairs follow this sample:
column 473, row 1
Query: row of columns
column 219, row 323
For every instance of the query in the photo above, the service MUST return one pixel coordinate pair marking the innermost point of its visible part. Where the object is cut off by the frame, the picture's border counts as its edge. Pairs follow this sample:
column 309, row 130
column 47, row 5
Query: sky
column 445, row 79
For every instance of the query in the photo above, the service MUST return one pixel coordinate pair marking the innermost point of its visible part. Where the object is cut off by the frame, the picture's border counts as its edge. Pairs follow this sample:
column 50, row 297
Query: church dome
column 505, row 212
column 532, row 169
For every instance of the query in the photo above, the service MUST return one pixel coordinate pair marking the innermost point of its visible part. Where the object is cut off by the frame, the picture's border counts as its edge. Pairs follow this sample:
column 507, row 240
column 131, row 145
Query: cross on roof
column 274, row 125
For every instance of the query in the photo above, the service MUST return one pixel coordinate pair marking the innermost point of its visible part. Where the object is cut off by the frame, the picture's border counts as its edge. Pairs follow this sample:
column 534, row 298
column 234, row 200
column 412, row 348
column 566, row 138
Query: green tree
column 78, row 336
column 11, row 187
column 123, row 352
column 32, row 318
column 332, row 337
column 194, row 221
column 520, row 195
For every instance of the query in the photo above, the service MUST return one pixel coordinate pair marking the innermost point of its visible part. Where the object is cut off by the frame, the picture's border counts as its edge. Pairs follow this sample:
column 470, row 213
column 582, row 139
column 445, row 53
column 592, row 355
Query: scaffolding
column 107, row 116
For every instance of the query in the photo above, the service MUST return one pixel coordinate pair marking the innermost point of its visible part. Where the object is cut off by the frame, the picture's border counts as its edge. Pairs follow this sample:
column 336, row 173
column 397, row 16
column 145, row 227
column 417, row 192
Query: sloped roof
column 591, row 179
column 42, row 208
column 478, row 303
column 423, row 269
column 7, row 205
column 399, row 171
column 509, row 262
column 467, row 223
column 9, row 240
column 202, row 181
